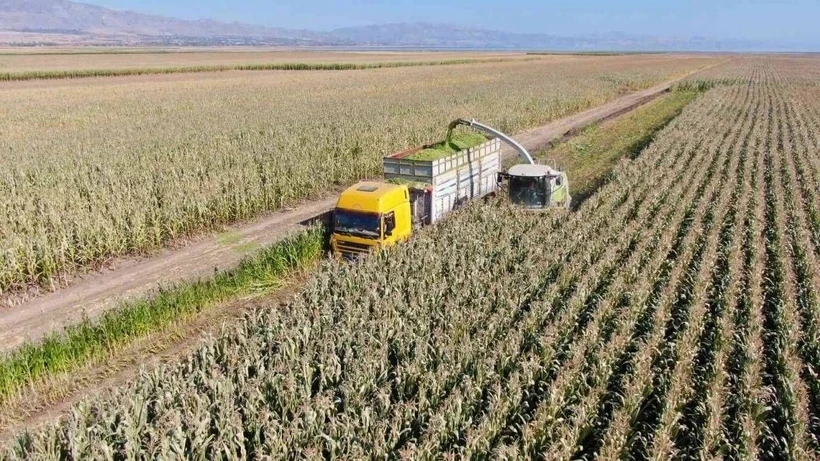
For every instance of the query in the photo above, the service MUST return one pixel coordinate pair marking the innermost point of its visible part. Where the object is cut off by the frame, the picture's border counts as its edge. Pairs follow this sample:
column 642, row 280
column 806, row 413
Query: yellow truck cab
column 370, row 215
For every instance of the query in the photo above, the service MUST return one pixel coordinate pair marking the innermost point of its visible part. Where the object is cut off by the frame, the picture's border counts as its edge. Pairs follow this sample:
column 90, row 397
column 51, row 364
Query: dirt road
column 92, row 294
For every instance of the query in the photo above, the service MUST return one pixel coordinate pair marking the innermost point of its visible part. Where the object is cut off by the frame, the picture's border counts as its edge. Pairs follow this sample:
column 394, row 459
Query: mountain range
column 64, row 22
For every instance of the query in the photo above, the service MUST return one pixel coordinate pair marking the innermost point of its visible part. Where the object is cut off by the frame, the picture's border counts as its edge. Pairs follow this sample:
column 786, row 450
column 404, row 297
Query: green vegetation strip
column 86, row 73
column 456, row 143
column 80, row 344
column 589, row 157
column 592, row 53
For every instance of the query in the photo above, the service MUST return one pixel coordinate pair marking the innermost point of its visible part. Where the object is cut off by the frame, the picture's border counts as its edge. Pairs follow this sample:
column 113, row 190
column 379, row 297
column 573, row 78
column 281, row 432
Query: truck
column 418, row 191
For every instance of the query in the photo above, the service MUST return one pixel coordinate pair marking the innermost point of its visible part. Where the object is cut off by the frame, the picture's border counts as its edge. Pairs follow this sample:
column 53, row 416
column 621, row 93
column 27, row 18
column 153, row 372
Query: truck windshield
column 365, row 225
column 530, row 192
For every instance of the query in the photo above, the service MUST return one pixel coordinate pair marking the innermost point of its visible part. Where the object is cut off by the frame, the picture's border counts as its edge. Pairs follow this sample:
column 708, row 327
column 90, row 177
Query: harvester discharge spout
column 522, row 152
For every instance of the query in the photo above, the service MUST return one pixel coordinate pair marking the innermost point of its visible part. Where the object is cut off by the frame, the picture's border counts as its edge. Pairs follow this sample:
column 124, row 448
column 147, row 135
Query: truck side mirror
column 389, row 224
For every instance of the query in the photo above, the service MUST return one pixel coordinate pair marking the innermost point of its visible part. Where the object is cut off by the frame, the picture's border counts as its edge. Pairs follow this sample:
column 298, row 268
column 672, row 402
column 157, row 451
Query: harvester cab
column 537, row 187
column 530, row 185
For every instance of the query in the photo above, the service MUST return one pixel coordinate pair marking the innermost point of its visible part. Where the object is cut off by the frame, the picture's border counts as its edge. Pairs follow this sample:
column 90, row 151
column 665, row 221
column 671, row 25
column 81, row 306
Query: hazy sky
column 795, row 20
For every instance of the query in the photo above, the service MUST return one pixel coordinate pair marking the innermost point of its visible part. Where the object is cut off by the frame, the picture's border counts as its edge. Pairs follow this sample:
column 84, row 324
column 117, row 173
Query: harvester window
column 530, row 192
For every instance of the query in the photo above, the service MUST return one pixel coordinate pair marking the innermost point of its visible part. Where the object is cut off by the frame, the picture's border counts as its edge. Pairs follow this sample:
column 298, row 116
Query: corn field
column 118, row 167
column 674, row 315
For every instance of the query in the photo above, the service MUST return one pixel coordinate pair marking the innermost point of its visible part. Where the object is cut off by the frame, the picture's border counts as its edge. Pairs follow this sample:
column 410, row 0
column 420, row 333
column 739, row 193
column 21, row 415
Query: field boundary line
column 275, row 66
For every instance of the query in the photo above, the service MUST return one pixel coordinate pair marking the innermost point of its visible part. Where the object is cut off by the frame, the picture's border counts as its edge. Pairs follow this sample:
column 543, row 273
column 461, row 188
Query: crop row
column 737, row 401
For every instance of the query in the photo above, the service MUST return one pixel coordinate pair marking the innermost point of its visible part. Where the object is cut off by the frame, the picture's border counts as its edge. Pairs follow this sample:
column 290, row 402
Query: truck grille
column 351, row 250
